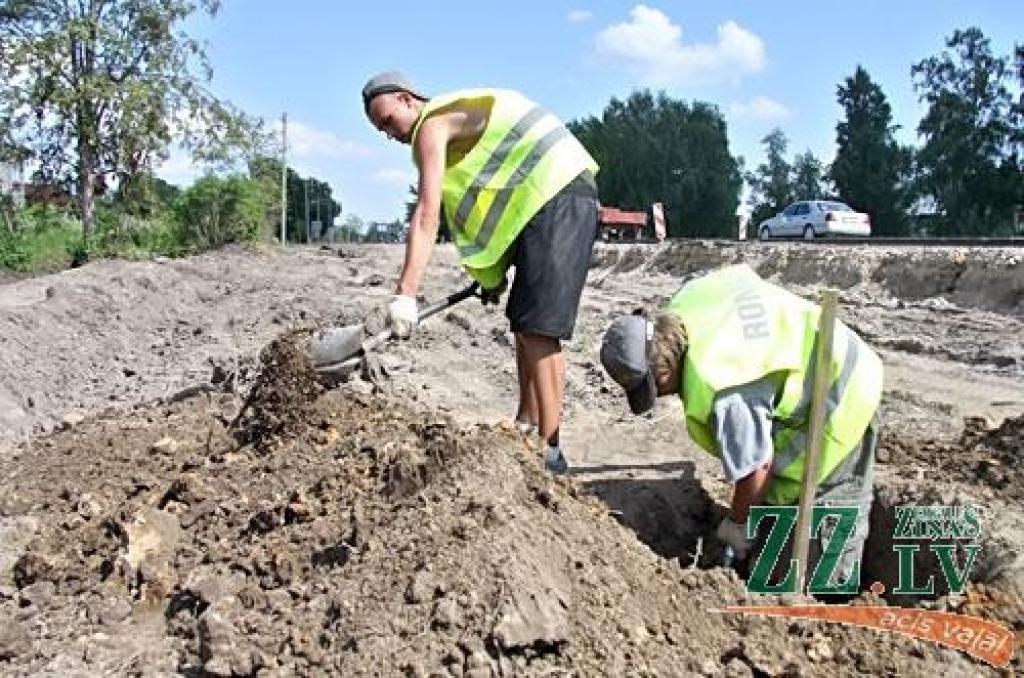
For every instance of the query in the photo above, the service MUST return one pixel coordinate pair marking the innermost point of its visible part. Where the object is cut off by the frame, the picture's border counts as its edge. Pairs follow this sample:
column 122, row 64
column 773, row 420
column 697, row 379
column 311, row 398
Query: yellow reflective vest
column 524, row 157
column 741, row 328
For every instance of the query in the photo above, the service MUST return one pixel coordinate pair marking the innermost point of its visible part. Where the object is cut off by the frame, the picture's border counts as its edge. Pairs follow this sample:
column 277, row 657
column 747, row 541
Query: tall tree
column 318, row 206
column 807, row 177
column 871, row 170
column 266, row 171
column 971, row 160
column 146, row 195
column 658, row 149
column 99, row 88
column 771, row 187
column 1017, row 138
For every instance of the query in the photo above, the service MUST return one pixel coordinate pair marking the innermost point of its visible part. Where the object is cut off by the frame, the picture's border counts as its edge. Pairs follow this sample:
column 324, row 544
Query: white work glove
column 403, row 315
column 735, row 535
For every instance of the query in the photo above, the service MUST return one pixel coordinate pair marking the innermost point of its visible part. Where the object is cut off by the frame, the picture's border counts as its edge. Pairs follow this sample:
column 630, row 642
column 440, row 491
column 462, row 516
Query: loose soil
column 180, row 495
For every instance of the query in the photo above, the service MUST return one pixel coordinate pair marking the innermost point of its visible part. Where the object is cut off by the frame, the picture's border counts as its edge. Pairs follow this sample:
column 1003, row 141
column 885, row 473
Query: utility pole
column 318, row 206
column 307, row 210
column 284, row 175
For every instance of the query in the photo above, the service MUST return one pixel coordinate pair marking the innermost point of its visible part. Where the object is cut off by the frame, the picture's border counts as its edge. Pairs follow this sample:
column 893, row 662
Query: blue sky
column 763, row 64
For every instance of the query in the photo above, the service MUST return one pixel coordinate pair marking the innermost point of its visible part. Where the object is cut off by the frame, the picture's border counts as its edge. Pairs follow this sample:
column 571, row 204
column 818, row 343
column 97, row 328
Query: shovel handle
column 448, row 302
column 433, row 309
column 385, row 334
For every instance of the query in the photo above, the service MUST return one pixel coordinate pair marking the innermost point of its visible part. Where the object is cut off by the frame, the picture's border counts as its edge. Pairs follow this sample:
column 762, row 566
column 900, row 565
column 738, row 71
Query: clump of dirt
column 982, row 457
column 283, row 391
column 377, row 540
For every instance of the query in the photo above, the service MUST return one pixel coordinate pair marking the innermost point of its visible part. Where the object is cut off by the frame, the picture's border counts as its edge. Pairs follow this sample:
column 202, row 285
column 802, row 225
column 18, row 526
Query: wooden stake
column 816, row 426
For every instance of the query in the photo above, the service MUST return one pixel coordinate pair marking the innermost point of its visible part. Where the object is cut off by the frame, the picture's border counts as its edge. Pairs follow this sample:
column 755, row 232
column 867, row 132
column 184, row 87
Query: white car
column 814, row 218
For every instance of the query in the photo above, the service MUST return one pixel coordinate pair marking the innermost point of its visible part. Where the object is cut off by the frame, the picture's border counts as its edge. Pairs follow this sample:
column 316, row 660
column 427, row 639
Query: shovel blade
column 333, row 345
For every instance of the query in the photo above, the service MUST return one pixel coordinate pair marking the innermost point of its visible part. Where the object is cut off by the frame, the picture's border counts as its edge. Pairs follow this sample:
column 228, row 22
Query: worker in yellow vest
column 739, row 351
column 518, row 190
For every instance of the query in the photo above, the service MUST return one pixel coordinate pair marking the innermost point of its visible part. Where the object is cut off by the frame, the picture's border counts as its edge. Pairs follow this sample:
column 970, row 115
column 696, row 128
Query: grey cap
column 386, row 82
column 625, row 354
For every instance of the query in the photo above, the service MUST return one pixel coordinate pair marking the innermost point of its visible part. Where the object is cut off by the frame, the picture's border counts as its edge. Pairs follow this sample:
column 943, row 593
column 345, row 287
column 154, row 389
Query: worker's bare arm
column 437, row 135
column 749, row 491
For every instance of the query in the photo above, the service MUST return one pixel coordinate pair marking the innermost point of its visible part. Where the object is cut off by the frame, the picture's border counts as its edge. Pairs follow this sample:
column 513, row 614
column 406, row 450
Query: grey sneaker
column 555, row 461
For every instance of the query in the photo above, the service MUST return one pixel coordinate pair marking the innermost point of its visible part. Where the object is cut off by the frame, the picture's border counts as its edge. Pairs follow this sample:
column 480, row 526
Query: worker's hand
column 735, row 535
column 493, row 295
column 402, row 315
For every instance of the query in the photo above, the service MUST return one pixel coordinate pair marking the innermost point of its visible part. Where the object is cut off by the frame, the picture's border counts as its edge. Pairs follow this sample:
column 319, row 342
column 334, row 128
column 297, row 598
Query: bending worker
column 739, row 351
column 518, row 190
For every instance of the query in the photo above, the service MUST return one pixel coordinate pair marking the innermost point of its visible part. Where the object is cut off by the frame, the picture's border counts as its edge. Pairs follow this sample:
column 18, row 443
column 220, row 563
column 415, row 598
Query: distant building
column 382, row 231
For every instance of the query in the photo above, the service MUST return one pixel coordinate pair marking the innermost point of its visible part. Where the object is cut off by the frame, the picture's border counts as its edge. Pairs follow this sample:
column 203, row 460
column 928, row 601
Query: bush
column 13, row 254
column 215, row 211
column 130, row 237
column 42, row 240
column 211, row 213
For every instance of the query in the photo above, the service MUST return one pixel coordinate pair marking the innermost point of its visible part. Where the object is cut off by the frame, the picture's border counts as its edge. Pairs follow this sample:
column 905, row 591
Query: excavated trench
column 675, row 516
column 990, row 279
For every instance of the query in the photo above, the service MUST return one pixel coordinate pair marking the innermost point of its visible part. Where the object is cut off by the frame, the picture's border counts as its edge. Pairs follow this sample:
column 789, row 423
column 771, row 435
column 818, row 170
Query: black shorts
column 551, row 259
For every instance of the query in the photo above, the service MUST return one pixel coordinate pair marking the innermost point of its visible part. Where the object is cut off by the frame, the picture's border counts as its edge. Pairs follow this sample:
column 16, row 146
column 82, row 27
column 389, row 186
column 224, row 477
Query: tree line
column 966, row 177
column 96, row 93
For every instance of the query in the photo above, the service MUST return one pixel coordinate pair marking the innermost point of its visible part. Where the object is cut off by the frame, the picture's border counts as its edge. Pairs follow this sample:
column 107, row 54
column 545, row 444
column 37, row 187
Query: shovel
column 337, row 351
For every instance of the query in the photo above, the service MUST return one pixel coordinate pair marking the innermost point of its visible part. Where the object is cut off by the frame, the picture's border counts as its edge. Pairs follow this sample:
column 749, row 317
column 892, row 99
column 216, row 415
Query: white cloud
column 305, row 141
column 394, row 176
column 652, row 46
column 759, row 108
column 576, row 16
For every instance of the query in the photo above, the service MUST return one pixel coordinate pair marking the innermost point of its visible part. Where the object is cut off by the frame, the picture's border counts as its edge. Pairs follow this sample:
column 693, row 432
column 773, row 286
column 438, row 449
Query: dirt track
column 402, row 527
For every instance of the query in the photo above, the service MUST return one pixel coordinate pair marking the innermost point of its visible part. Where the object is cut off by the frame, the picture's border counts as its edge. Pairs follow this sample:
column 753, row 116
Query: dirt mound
column 981, row 468
column 335, row 533
column 282, row 393
column 117, row 332
column 983, row 457
column 365, row 538
column 990, row 279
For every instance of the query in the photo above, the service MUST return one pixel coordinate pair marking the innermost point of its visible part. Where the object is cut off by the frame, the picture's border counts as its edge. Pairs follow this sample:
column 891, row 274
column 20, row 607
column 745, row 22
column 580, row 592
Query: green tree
column 1018, row 109
column 146, row 195
column 215, row 211
column 266, row 172
column 771, row 183
column 807, row 177
column 322, row 206
column 971, row 159
column 99, row 88
column 658, row 149
column 871, row 170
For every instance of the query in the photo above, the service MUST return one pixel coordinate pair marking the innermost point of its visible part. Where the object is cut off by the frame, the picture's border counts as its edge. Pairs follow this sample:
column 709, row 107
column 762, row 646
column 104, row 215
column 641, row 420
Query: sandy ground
column 139, row 367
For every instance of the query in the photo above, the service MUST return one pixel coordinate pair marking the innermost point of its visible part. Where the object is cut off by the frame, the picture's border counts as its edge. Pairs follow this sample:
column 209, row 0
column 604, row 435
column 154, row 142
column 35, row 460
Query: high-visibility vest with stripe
column 741, row 328
column 524, row 157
